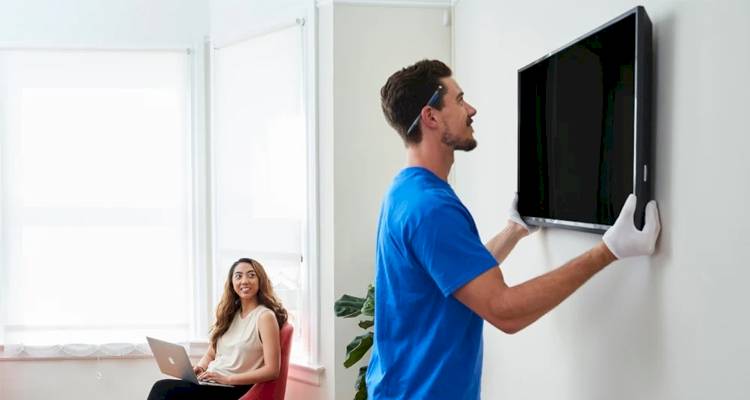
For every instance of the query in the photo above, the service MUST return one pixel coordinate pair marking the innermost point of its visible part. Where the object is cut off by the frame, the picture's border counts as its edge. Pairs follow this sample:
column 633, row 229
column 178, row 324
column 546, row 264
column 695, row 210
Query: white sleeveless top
column 239, row 349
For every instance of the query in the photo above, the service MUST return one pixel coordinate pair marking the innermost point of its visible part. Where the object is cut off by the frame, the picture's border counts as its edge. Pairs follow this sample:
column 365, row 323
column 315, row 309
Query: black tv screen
column 584, row 127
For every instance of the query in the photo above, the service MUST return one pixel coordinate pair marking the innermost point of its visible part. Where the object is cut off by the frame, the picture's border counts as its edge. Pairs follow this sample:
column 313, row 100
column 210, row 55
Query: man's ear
column 429, row 117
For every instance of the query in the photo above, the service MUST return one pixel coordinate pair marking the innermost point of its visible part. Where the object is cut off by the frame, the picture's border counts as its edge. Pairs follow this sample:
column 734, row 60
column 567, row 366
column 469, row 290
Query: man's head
column 405, row 97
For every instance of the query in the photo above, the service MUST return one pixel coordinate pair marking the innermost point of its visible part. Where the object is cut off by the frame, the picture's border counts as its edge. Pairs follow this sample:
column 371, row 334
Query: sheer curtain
column 95, row 194
column 260, row 165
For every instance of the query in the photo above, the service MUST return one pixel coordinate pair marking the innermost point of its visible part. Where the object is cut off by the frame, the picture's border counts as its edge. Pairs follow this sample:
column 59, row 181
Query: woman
column 244, row 347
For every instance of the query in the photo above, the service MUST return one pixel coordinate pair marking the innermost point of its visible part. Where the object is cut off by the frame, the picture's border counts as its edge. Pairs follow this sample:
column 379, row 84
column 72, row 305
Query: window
column 260, row 168
column 105, row 222
column 95, row 196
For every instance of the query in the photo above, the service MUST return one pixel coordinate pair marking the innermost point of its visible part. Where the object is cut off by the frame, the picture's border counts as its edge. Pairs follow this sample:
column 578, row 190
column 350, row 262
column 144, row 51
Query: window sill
column 298, row 371
column 306, row 373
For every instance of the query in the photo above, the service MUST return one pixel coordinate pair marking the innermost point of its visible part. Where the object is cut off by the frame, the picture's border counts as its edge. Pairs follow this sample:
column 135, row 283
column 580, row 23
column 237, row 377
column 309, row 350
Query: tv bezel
column 642, row 156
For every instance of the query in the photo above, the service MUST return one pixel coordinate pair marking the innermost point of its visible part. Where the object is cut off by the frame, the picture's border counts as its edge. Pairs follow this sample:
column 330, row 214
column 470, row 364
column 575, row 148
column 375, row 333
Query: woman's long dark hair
column 230, row 301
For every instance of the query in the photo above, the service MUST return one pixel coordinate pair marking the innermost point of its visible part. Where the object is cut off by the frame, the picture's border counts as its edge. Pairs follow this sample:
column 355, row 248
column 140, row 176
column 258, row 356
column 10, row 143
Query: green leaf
column 348, row 306
column 368, row 308
column 361, row 385
column 357, row 348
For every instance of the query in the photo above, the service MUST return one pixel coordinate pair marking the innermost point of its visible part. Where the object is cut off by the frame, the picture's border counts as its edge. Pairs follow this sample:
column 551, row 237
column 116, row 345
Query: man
column 435, row 281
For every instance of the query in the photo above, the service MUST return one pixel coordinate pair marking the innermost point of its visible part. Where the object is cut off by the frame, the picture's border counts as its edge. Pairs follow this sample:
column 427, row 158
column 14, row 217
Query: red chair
column 275, row 389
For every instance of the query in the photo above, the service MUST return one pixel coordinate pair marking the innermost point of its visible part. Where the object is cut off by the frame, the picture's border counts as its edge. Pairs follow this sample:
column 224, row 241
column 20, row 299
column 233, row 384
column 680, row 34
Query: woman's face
column 245, row 281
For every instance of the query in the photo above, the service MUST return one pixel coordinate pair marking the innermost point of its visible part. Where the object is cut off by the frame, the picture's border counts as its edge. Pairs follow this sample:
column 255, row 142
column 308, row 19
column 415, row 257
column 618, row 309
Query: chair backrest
column 275, row 389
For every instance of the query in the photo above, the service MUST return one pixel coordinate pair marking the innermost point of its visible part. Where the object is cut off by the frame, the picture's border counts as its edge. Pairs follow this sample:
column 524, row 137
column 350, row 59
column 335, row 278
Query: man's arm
column 501, row 245
column 511, row 309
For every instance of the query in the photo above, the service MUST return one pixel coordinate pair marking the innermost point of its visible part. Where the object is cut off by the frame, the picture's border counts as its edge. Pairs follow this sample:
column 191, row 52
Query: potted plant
column 350, row 307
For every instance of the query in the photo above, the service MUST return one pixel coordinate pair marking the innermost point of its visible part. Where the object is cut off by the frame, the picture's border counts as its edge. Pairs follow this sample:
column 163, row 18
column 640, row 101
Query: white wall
column 673, row 326
column 358, row 147
column 96, row 24
column 81, row 379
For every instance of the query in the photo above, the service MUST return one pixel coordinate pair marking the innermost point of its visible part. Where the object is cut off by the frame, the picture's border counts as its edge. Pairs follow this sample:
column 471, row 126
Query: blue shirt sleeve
column 446, row 244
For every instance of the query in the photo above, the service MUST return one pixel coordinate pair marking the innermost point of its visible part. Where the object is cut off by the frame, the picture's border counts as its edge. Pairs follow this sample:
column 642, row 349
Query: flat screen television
column 584, row 128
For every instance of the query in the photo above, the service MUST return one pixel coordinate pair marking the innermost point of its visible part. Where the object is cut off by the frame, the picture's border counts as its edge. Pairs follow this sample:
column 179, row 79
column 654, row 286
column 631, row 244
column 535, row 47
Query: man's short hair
column 407, row 91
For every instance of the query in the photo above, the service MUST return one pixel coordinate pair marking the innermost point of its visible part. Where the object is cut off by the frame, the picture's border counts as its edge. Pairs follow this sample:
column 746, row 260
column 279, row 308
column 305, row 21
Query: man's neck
column 437, row 161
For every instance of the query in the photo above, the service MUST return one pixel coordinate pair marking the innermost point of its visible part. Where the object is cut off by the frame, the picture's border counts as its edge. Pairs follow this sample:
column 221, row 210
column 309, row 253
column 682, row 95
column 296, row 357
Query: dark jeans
column 176, row 389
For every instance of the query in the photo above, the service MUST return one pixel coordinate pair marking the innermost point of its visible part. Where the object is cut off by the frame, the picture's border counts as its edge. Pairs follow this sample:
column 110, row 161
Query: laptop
column 173, row 361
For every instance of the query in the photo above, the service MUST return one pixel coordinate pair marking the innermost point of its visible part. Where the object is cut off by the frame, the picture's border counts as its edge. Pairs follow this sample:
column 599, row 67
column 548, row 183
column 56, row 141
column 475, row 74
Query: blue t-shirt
column 428, row 345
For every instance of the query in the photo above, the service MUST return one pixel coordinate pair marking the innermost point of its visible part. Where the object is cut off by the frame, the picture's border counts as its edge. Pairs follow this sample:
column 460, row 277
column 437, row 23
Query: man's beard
column 465, row 144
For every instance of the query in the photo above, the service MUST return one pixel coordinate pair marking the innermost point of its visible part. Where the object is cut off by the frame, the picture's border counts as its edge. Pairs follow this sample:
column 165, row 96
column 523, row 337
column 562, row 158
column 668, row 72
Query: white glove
column 625, row 240
column 514, row 216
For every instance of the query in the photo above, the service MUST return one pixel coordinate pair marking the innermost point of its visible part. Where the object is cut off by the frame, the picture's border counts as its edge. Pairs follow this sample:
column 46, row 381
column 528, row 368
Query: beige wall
column 673, row 326
column 369, row 43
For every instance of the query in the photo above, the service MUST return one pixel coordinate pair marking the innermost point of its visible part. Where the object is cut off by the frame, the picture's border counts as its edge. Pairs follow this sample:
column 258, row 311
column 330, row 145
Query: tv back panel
column 584, row 128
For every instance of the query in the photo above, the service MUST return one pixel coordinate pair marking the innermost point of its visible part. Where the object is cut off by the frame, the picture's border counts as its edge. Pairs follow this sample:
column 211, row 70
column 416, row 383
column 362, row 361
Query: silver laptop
column 173, row 361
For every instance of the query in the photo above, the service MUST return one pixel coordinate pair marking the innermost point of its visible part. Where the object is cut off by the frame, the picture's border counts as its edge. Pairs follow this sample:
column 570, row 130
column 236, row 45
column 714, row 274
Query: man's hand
column 514, row 216
column 623, row 239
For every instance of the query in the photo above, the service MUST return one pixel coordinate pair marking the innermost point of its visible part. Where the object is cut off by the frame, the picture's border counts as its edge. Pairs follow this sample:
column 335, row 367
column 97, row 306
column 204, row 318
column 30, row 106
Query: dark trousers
column 176, row 389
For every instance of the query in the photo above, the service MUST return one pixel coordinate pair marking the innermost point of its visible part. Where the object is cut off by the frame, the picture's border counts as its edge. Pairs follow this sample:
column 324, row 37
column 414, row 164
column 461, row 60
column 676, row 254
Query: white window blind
column 260, row 166
column 95, row 194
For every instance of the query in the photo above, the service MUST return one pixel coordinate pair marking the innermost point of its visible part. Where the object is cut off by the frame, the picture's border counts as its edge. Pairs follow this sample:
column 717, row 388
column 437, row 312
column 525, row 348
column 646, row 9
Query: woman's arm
column 205, row 360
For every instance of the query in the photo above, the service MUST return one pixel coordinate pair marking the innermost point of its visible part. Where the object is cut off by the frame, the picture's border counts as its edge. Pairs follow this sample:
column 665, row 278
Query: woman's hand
column 214, row 377
column 198, row 369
